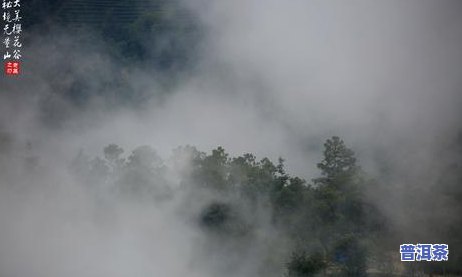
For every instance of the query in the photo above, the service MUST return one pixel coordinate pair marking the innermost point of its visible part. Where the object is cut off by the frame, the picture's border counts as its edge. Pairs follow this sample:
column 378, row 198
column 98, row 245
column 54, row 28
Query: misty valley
column 231, row 138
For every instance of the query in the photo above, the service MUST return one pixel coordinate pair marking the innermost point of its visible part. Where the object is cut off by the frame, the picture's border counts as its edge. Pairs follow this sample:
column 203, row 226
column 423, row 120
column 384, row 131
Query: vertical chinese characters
column 11, row 40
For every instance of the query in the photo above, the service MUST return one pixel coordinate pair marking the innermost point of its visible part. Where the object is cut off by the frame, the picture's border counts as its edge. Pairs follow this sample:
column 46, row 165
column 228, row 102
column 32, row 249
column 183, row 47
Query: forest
column 232, row 139
column 330, row 225
column 331, row 228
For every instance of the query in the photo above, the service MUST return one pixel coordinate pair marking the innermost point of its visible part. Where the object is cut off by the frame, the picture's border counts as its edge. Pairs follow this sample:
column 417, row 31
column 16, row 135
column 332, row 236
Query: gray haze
column 275, row 78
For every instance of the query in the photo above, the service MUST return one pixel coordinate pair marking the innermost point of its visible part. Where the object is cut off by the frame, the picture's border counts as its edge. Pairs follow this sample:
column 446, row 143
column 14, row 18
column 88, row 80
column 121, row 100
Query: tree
column 112, row 152
column 143, row 175
column 328, row 223
column 351, row 255
column 339, row 207
column 338, row 164
column 145, row 156
column 304, row 265
column 212, row 171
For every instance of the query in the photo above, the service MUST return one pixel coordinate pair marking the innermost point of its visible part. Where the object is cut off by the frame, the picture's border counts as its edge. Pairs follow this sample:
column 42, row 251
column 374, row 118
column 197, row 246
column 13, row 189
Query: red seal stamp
column 12, row 68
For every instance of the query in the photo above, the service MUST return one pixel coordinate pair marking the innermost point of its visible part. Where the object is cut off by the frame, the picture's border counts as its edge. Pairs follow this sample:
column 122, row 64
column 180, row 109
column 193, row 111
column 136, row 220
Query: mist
column 273, row 78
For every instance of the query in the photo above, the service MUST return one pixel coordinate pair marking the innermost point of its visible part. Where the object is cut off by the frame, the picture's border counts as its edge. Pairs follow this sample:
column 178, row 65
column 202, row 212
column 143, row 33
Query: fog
column 275, row 78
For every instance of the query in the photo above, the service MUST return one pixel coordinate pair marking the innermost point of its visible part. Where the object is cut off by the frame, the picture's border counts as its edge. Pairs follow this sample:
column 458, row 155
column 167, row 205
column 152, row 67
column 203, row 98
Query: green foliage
column 212, row 171
column 351, row 255
column 216, row 215
column 112, row 152
column 345, row 219
column 245, row 174
column 338, row 165
column 164, row 38
column 144, row 156
column 141, row 175
column 328, row 222
column 304, row 265
column 157, row 34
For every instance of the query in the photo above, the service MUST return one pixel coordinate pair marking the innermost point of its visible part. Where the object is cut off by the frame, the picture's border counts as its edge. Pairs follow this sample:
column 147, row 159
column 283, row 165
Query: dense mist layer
column 274, row 78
